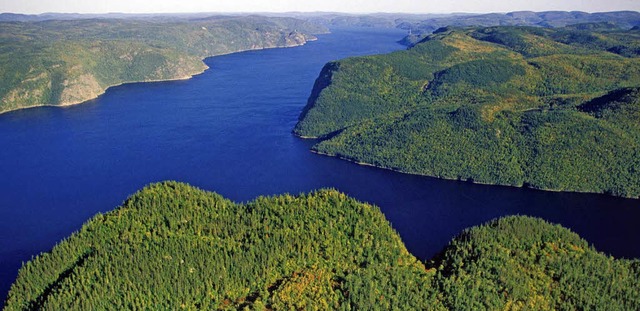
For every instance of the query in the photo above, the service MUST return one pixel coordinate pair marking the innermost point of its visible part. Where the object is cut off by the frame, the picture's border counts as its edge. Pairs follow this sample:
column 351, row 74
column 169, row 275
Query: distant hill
column 171, row 246
column 64, row 62
column 379, row 20
column 547, row 108
column 422, row 25
column 12, row 17
column 430, row 22
column 622, row 19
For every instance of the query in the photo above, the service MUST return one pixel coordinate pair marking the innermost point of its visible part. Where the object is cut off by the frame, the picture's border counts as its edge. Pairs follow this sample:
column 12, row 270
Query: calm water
column 228, row 130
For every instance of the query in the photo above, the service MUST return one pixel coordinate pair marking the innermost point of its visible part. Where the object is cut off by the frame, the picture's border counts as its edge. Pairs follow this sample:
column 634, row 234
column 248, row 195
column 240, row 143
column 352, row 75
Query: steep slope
column 495, row 105
column 171, row 246
column 68, row 62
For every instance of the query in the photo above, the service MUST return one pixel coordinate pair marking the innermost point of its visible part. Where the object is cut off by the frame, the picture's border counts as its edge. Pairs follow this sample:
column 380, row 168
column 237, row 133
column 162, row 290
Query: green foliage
column 68, row 62
column 523, row 263
column 476, row 73
column 171, row 246
column 382, row 96
column 545, row 108
column 574, row 39
column 620, row 107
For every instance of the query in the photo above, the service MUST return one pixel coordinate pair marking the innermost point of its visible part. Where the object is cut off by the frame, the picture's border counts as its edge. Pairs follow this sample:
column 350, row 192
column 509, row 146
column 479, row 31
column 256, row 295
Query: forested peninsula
column 171, row 246
column 547, row 108
column 66, row 62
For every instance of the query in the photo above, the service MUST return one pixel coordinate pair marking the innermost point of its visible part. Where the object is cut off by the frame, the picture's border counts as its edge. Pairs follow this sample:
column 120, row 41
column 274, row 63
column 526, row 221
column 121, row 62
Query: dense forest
column 62, row 62
column 554, row 109
column 171, row 246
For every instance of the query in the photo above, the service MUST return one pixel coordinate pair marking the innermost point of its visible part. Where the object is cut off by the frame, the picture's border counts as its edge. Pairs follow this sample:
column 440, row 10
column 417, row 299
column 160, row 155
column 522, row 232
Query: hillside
column 552, row 109
column 65, row 62
column 524, row 263
column 171, row 246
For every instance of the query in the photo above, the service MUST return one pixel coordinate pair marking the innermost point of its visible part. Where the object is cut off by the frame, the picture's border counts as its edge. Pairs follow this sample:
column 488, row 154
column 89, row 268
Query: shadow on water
column 229, row 130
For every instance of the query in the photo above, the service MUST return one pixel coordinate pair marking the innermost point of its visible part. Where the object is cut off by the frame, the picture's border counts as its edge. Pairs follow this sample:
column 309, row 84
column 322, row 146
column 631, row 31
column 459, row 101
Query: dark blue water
column 228, row 130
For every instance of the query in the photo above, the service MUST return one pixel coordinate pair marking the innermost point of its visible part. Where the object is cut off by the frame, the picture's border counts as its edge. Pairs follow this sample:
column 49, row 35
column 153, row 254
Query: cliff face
column 59, row 63
column 322, row 82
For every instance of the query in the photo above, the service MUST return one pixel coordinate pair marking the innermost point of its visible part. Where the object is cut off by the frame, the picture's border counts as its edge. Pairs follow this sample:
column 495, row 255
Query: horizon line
column 311, row 12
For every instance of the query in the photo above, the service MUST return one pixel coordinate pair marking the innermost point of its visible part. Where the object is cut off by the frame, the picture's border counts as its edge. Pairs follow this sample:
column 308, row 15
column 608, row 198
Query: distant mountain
column 621, row 19
column 421, row 25
column 378, row 20
column 11, row 17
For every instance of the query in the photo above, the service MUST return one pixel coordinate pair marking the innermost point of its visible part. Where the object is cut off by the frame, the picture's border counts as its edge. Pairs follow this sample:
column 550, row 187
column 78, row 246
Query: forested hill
column 554, row 109
column 172, row 247
column 63, row 62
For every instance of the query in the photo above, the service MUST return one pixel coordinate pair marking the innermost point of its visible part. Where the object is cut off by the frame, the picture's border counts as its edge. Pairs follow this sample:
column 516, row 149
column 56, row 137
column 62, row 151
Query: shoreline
column 462, row 180
column 190, row 76
column 65, row 105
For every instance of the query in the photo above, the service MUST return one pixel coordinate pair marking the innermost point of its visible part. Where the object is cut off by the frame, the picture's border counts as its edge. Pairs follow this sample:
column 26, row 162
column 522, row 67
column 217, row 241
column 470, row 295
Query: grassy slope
column 171, row 246
column 68, row 62
column 494, row 105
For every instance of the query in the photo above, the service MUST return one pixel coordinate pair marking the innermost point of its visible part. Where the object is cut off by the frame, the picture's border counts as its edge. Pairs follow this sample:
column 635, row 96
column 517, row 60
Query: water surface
column 229, row 130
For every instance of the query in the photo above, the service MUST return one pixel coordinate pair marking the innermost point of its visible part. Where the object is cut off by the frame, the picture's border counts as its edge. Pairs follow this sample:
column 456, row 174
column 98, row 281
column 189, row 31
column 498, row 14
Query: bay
column 228, row 130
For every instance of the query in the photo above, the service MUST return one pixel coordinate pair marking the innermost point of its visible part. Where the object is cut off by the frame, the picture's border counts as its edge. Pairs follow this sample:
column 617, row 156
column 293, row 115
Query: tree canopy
column 172, row 246
column 523, row 106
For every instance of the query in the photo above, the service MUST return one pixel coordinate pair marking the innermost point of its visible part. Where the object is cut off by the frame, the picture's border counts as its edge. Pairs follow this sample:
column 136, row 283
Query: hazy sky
column 355, row 6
